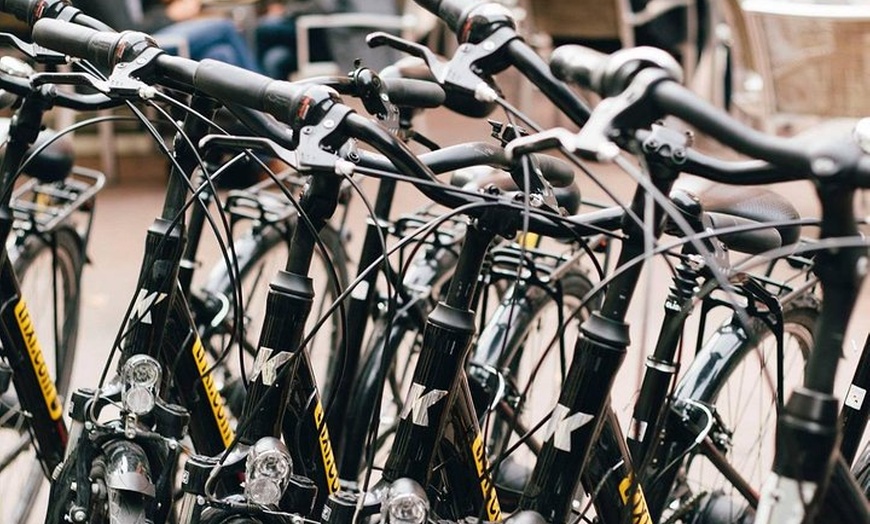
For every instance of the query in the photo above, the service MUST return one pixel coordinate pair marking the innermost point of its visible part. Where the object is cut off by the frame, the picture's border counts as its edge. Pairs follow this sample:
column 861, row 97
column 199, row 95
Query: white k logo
column 145, row 300
column 561, row 426
column 419, row 404
column 268, row 366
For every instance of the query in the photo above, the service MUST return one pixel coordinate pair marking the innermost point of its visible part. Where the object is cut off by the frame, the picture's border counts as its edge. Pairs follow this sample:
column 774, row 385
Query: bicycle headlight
column 141, row 378
column 268, row 468
column 406, row 503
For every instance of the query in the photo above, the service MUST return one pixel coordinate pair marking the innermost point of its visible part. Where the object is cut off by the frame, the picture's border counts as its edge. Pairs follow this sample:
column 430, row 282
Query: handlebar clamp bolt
column 824, row 166
column 862, row 134
column 79, row 515
column 861, row 266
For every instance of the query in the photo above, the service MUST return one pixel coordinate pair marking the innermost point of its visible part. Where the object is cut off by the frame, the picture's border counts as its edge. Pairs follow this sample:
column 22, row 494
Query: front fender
column 127, row 468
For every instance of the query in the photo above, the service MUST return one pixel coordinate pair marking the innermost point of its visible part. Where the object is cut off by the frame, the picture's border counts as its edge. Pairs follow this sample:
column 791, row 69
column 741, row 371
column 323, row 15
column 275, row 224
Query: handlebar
column 642, row 87
column 29, row 11
column 558, row 172
column 295, row 104
column 475, row 21
column 405, row 92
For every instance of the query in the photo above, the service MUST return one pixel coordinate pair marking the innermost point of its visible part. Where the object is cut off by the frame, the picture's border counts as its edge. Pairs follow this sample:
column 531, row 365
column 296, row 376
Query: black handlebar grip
column 414, row 93
column 78, row 41
column 555, row 170
column 579, row 65
column 21, row 9
column 450, row 11
column 226, row 82
column 232, row 84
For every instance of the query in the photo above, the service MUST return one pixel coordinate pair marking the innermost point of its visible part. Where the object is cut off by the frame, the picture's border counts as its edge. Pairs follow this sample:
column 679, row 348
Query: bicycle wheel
column 529, row 342
column 733, row 381
column 49, row 270
column 262, row 251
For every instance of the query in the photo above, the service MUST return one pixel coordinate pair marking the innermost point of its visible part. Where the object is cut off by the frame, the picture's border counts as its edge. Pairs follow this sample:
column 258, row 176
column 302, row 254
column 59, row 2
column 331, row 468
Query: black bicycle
column 47, row 221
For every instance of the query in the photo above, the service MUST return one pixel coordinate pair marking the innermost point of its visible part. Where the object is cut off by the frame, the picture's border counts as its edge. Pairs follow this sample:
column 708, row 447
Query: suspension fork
column 438, row 377
column 164, row 244
column 282, row 376
column 576, row 422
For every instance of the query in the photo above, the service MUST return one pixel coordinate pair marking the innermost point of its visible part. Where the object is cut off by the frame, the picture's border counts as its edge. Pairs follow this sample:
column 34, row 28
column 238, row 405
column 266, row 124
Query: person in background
column 204, row 36
column 276, row 36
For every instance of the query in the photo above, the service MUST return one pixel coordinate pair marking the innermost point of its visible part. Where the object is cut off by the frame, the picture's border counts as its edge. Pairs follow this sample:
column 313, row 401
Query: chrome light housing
column 406, row 503
column 140, row 377
column 267, row 471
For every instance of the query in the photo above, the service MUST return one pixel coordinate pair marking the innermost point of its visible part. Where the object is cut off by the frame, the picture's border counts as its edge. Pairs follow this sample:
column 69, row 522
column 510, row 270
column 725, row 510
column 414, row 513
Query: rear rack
column 40, row 206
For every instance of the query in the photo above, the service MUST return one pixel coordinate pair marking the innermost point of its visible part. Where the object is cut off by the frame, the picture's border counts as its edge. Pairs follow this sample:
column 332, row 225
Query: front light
column 267, row 471
column 141, row 378
column 406, row 503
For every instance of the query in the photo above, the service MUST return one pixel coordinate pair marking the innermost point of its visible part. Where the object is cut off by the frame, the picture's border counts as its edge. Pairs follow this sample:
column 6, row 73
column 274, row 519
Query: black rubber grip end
column 579, row 65
column 75, row 40
column 414, row 93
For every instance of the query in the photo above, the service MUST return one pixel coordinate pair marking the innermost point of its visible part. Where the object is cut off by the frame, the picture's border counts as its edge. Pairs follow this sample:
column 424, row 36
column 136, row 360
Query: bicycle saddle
column 728, row 206
column 52, row 164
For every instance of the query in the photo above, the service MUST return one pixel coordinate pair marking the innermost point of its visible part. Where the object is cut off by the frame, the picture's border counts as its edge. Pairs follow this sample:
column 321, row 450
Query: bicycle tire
column 701, row 492
column 35, row 258
column 262, row 252
column 511, row 348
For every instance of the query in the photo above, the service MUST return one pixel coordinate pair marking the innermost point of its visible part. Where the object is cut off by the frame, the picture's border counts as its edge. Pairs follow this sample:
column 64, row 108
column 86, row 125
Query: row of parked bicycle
column 462, row 371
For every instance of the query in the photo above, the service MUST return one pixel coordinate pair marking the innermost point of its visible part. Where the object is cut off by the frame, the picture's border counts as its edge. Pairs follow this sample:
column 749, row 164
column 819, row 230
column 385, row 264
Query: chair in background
column 615, row 20
column 409, row 22
column 796, row 63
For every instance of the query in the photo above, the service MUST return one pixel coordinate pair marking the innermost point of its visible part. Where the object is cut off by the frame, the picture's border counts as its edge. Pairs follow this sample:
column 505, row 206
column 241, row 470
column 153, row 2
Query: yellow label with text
column 639, row 510
column 490, row 497
column 211, row 392
column 46, row 384
column 529, row 240
column 329, row 466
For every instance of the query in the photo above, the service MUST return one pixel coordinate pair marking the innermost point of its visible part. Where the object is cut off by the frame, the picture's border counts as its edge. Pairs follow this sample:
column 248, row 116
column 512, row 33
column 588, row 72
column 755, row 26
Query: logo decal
column 493, row 510
column 418, row 404
column 639, row 510
column 329, row 468
column 267, row 365
column 214, row 399
column 46, row 384
column 561, row 426
column 145, row 300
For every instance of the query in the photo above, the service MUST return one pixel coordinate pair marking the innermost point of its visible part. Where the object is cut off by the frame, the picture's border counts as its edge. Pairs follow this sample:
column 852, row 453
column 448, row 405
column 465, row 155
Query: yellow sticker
column 46, row 384
column 211, row 392
column 493, row 510
column 326, row 450
column 639, row 510
column 529, row 240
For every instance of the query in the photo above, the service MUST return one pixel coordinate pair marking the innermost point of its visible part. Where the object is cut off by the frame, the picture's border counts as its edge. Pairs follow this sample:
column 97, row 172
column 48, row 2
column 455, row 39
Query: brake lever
column 459, row 72
column 435, row 64
column 312, row 149
column 73, row 79
column 250, row 142
column 36, row 52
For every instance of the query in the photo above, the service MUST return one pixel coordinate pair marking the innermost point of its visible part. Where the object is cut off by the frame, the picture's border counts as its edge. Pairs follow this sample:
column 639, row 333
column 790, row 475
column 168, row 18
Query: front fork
column 439, row 384
column 807, row 429
column 577, row 420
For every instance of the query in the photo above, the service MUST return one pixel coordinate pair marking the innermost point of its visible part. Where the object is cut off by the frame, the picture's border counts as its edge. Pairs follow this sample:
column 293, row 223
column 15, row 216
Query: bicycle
column 46, row 221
